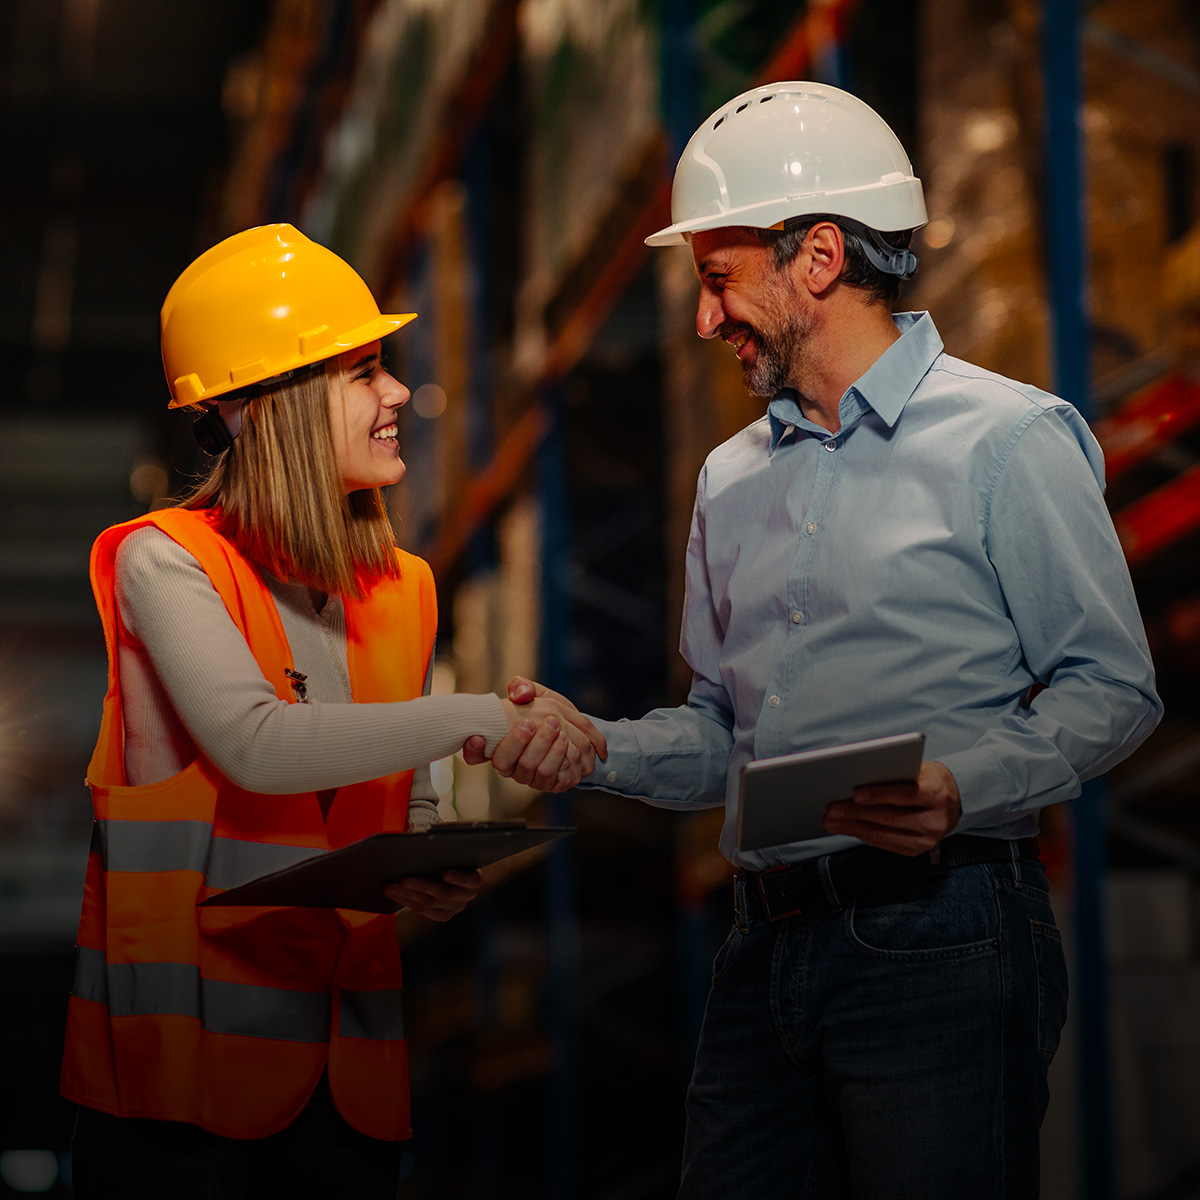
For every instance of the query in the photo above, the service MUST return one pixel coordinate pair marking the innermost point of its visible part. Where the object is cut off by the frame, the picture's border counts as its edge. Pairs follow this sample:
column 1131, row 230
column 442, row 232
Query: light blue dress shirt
column 920, row 569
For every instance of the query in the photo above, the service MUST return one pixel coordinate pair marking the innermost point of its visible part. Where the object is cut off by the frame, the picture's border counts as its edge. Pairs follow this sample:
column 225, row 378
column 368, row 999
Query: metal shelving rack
column 522, row 425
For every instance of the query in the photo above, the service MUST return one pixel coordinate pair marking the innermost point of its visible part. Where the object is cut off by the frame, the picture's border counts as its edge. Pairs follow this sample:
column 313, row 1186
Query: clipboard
column 354, row 876
column 783, row 799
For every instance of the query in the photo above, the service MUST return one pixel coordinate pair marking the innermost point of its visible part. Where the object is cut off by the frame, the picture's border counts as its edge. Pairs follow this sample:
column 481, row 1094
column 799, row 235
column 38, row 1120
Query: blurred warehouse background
column 494, row 165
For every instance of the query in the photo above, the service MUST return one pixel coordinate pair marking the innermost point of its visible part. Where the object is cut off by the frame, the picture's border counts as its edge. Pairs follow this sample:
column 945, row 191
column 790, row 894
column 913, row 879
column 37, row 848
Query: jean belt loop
column 1014, row 848
column 743, row 881
column 826, row 878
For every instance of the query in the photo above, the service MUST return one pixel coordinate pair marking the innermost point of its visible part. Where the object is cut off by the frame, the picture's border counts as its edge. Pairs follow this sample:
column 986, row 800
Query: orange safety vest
column 226, row 1017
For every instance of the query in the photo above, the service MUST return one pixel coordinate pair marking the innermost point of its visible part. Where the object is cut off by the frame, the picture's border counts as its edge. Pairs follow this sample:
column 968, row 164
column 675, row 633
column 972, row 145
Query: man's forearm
column 671, row 757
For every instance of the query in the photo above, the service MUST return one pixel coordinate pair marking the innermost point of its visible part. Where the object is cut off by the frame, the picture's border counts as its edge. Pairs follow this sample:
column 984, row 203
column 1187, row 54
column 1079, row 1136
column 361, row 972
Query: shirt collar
column 886, row 386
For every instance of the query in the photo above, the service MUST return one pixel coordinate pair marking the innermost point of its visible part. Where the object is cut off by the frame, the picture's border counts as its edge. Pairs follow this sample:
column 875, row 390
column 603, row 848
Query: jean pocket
column 954, row 915
column 726, row 952
column 1032, row 890
column 1031, row 882
column 1051, row 967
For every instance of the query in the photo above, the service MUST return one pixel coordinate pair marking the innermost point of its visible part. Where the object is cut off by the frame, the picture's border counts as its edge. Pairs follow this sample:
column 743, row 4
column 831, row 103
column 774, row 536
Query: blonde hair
column 279, row 495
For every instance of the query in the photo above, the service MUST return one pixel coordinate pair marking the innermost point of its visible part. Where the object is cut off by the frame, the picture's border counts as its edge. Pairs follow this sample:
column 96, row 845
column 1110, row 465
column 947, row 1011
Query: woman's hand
column 436, row 899
column 550, row 744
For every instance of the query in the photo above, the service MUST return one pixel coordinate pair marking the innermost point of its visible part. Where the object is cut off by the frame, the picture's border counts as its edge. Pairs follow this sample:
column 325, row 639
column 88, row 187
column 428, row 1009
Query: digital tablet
column 354, row 876
column 783, row 799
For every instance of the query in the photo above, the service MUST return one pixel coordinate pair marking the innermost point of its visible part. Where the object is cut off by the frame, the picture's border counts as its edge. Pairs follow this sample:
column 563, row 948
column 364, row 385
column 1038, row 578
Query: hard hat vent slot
column 764, row 99
column 718, row 122
column 743, row 107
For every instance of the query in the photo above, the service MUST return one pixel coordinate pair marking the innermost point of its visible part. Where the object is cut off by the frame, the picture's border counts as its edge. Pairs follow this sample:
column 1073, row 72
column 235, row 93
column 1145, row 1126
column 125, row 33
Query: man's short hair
column 857, row 271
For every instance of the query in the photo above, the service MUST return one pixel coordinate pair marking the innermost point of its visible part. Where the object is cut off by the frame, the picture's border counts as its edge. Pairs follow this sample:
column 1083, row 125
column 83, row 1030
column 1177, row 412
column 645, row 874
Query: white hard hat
column 788, row 150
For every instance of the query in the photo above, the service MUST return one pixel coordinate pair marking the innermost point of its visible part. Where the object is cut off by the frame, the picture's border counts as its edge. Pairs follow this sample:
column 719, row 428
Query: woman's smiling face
column 362, row 416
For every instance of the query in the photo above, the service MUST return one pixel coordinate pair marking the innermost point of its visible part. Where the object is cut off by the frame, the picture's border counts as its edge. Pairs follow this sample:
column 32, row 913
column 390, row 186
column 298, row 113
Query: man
column 904, row 542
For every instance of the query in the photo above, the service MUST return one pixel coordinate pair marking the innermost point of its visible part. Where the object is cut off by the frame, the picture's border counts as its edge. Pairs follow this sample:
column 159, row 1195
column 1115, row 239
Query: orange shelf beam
column 489, row 489
column 809, row 37
column 1151, row 418
column 1166, row 515
column 478, row 84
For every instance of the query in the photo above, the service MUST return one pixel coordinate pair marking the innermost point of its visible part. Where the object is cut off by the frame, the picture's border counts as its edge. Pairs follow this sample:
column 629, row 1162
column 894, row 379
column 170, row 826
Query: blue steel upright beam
column 677, row 73
column 478, row 165
column 481, row 555
column 1066, row 266
column 678, row 108
column 562, row 922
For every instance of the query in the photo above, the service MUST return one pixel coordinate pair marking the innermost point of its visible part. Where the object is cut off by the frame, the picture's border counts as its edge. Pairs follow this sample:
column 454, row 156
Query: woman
column 269, row 663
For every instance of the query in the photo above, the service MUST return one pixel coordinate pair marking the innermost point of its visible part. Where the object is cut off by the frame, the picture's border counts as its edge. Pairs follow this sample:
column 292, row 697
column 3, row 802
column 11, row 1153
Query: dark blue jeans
column 894, row 1049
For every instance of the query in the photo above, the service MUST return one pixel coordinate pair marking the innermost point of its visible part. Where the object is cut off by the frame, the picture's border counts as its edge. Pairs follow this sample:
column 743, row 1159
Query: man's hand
column 436, row 899
column 905, row 818
column 550, row 744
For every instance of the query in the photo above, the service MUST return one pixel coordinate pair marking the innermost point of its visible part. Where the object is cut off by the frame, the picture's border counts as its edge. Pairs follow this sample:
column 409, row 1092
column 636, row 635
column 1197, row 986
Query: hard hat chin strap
column 221, row 421
column 211, row 433
column 216, row 427
column 891, row 260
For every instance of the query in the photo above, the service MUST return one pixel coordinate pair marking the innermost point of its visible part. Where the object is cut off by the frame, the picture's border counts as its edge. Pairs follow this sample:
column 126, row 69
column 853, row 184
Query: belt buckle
column 768, row 912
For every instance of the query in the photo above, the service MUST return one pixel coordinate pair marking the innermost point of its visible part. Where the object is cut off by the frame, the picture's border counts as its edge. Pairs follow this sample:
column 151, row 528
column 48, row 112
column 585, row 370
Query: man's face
column 754, row 307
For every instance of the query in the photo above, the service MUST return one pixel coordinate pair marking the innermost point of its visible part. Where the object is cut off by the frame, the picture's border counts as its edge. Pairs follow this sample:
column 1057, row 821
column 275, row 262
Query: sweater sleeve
column 231, row 712
column 423, row 799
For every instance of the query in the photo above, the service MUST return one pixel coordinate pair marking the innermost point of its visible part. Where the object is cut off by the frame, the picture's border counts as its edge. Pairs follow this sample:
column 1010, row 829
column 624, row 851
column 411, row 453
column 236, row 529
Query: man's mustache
column 733, row 328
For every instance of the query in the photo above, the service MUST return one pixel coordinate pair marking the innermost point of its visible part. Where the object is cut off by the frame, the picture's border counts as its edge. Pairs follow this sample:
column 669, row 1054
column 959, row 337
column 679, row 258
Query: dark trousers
column 318, row 1154
column 895, row 1048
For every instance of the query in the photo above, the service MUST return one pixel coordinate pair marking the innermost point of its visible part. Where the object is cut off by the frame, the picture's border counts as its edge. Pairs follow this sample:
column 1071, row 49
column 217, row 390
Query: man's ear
column 822, row 257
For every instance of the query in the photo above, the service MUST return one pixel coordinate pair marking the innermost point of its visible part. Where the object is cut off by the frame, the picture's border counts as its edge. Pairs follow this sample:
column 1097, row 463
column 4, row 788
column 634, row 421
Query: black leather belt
column 833, row 881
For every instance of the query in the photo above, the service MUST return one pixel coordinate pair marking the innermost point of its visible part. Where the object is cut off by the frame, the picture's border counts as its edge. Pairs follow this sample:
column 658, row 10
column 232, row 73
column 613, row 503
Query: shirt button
column 774, row 702
column 611, row 777
column 810, row 528
column 797, row 617
column 831, row 444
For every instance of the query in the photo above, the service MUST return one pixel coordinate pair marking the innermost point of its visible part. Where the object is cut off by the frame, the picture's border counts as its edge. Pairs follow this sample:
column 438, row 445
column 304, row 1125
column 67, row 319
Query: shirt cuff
column 422, row 816
column 620, row 771
column 985, row 788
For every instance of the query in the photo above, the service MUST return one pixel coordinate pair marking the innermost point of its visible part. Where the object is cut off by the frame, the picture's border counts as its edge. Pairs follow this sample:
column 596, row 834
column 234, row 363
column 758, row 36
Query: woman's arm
column 231, row 712
column 423, row 799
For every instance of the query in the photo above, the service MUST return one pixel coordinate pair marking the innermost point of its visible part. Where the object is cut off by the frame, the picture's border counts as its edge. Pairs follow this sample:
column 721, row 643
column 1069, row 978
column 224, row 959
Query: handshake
column 550, row 744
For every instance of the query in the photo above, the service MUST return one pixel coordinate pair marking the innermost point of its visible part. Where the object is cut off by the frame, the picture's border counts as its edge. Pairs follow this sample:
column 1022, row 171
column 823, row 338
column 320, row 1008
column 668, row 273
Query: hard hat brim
column 375, row 329
column 844, row 202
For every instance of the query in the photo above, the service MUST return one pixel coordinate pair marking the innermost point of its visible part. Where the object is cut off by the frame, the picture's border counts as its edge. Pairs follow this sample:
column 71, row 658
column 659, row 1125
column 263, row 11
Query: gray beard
column 779, row 357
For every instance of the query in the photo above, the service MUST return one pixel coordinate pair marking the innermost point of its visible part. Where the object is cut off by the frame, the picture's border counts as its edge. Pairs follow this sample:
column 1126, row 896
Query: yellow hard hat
column 258, row 304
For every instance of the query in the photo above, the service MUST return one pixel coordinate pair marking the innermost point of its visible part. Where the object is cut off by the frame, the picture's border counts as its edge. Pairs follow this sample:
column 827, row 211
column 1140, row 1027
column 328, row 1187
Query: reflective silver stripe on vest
column 232, row 862
column 378, row 1015
column 91, row 983
column 191, row 846
column 140, row 989
column 154, row 845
